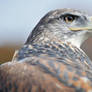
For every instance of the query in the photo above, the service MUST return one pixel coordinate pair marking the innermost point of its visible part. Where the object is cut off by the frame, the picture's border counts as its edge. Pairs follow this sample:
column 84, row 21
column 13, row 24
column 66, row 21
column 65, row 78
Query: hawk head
column 67, row 25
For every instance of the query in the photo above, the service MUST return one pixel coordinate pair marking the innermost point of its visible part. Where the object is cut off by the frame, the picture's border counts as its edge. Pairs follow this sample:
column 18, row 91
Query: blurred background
column 19, row 17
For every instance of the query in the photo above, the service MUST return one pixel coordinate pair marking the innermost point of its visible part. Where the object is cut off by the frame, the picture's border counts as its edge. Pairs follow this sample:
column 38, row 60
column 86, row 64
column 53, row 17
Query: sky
column 19, row 17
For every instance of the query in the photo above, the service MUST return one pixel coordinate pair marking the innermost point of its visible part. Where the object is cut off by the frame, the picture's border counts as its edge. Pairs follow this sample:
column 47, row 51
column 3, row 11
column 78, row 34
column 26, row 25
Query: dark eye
column 69, row 18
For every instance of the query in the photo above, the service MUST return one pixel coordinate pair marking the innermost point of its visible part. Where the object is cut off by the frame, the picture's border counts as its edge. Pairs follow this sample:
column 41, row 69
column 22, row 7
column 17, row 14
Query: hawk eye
column 69, row 18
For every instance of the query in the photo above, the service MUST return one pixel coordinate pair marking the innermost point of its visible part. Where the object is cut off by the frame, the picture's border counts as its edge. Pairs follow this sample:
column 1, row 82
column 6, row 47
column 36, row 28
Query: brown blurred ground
column 6, row 52
column 87, row 47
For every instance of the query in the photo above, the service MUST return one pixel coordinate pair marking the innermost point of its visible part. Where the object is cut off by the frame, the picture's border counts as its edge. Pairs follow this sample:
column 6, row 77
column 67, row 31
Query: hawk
column 51, row 59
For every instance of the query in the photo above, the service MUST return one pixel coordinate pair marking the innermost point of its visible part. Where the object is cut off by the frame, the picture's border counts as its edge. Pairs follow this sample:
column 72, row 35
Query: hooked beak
column 88, row 27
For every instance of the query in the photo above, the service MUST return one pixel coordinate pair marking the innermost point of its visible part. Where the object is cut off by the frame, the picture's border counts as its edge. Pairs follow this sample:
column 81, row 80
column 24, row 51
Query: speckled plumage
column 47, row 65
column 52, row 67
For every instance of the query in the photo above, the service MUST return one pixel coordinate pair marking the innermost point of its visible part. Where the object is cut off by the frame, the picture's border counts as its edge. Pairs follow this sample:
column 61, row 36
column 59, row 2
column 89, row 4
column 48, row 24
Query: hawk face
column 67, row 25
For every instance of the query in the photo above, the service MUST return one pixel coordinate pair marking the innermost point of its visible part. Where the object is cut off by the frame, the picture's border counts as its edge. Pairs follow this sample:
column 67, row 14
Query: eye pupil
column 70, row 18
